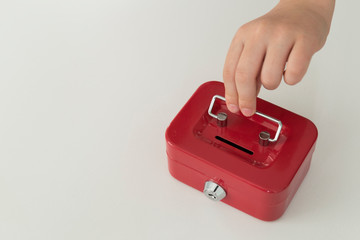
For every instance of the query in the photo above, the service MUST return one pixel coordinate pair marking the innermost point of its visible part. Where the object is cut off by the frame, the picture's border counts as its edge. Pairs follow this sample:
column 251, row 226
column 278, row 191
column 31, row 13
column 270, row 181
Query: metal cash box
column 254, row 164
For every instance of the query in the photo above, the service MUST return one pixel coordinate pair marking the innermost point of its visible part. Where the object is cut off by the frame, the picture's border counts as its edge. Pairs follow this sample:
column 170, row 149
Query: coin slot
column 234, row 145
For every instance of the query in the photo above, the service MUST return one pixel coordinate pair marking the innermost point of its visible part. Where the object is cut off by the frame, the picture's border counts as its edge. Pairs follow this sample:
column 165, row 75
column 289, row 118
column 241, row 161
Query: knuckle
column 231, row 97
column 291, row 81
column 241, row 75
column 281, row 34
column 270, row 78
column 269, row 83
column 254, row 30
column 298, row 71
column 245, row 100
column 246, row 103
column 228, row 74
column 243, row 28
column 260, row 30
column 240, row 33
column 293, row 76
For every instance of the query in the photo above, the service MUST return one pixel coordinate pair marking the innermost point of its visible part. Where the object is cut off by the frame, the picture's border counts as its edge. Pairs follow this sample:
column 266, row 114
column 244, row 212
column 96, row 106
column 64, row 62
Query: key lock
column 211, row 189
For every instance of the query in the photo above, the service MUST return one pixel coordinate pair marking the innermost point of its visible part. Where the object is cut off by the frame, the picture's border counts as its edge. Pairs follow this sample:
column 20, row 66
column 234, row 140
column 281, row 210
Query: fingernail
column 233, row 108
column 247, row 112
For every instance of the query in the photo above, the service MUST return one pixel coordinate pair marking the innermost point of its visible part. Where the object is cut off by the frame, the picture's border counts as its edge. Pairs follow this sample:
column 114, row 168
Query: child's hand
column 289, row 34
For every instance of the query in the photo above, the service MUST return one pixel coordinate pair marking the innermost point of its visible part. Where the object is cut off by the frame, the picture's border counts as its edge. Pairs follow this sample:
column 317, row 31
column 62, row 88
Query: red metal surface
column 261, row 184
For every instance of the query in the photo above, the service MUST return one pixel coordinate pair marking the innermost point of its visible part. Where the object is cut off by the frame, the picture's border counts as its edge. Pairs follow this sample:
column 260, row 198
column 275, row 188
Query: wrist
column 323, row 8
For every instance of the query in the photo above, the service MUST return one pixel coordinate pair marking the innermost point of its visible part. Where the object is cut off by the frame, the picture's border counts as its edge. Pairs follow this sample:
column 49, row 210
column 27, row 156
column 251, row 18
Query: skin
column 289, row 35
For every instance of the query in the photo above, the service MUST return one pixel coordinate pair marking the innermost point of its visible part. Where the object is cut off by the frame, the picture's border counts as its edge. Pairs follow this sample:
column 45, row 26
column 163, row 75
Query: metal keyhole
column 213, row 191
column 212, row 196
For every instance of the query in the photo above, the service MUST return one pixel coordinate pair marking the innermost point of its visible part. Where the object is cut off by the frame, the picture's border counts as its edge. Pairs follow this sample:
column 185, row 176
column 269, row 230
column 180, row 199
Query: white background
column 87, row 89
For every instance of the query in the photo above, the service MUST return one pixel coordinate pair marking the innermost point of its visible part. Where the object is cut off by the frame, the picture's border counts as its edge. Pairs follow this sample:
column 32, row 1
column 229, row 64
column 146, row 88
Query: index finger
column 231, row 62
column 247, row 71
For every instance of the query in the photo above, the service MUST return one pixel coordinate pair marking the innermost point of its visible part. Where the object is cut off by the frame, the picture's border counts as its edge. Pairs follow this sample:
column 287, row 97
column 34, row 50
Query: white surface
column 87, row 89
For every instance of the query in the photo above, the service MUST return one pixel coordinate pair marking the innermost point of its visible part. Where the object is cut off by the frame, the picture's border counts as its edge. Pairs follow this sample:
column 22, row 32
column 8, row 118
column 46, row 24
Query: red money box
column 254, row 164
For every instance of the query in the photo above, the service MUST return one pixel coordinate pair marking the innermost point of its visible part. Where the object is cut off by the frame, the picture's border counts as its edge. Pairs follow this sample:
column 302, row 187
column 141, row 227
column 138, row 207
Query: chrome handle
column 257, row 113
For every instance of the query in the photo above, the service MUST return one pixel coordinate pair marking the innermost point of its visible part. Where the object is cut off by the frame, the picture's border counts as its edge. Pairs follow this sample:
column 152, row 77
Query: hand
column 287, row 35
